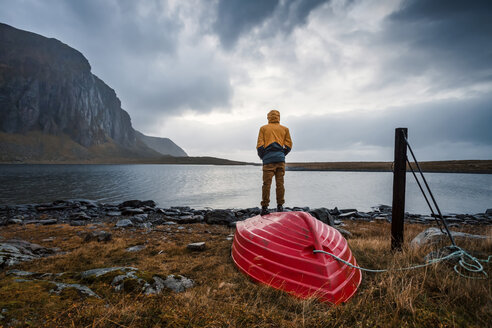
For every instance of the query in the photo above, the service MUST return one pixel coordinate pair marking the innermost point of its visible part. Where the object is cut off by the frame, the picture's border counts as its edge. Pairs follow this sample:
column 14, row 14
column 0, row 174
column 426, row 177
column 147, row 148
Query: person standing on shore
column 274, row 143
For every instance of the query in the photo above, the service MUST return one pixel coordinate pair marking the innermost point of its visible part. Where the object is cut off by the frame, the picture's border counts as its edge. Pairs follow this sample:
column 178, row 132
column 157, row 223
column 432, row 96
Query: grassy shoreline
column 457, row 166
column 205, row 160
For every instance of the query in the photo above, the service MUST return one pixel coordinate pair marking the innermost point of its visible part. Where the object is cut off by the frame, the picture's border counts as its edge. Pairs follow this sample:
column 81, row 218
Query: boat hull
column 277, row 250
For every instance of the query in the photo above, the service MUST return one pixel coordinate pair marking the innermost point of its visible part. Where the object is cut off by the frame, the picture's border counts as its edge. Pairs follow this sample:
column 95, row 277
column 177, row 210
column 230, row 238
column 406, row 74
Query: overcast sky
column 343, row 74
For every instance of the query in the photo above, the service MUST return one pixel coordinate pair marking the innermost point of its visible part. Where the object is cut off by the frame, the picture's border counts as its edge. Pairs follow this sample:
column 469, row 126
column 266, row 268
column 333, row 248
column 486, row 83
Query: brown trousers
column 270, row 170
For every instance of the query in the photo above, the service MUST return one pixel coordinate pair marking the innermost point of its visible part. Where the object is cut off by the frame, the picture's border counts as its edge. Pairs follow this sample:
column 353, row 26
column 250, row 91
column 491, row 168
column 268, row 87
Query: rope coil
column 466, row 261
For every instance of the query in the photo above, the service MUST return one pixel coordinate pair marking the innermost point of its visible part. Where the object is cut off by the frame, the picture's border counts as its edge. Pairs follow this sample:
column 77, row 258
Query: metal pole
column 430, row 192
column 422, row 190
column 399, row 180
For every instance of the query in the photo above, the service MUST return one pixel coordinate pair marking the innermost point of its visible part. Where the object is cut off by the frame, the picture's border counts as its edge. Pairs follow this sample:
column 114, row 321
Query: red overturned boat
column 277, row 250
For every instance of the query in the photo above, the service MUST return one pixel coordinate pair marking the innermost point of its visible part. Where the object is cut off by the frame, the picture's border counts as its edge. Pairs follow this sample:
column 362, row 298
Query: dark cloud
column 237, row 17
column 119, row 24
column 447, row 41
column 429, row 124
column 291, row 14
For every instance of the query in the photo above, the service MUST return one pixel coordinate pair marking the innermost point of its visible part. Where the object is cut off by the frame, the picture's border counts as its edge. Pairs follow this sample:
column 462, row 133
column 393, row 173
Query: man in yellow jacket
column 274, row 143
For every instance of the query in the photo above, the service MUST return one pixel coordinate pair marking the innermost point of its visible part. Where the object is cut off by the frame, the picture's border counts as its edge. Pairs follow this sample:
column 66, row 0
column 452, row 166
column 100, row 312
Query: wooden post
column 399, row 180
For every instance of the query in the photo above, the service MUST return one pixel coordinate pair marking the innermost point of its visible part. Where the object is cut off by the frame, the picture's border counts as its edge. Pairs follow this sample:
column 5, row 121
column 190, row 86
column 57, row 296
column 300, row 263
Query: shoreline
column 452, row 166
column 136, row 213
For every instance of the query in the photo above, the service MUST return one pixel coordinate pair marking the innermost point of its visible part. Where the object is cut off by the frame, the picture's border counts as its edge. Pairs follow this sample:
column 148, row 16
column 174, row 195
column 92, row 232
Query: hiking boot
column 280, row 208
column 264, row 210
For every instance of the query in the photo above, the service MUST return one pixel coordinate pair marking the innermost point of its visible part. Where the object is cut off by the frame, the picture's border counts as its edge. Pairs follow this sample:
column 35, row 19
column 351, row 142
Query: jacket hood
column 273, row 116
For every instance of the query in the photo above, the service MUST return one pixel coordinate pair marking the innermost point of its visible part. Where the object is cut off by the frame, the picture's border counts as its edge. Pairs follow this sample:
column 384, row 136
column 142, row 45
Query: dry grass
column 223, row 297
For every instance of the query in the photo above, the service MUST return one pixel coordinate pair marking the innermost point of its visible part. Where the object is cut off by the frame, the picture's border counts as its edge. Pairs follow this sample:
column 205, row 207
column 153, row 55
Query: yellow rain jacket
column 274, row 140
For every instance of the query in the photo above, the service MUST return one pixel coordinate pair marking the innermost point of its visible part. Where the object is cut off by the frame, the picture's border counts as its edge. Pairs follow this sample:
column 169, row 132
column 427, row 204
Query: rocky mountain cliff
column 47, row 89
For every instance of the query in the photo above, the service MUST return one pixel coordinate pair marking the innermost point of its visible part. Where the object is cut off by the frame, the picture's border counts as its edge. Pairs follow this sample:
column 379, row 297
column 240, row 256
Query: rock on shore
column 145, row 214
column 15, row 251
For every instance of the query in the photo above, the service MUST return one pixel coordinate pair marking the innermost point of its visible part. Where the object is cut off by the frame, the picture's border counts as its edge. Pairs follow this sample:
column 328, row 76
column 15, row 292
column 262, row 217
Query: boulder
column 345, row 233
column 42, row 222
column 200, row 246
column 335, row 211
column 94, row 273
column 79, row 216
column 382, row 208
column 86, row 202
column 253, row 211
column 131, row 211
column 156, row 287
column 347, row 210
column 300, row 209
column 140, row 218
column 198, row 218
column 323, row 214
column 223, row 217
column 123, row 223
column 169, row 213
column 78, row 223
column 113, row 213
column 148, row 209
column 145, row 225
column 130, row 282
column 44, row 208
column 178, row 283
column 136, row 248
column 80, row 288
column 14, row 221
column 137, row 203
column 181, row 208
column 188, row 219
column 347, row 214
column 20, row 273
column 59, row 287
column 434, row 235
column 15, row 251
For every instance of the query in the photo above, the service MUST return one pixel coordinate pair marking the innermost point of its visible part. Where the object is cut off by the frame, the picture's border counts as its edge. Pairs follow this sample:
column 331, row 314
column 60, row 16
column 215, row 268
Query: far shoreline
column 453, row 166
column 450, row 166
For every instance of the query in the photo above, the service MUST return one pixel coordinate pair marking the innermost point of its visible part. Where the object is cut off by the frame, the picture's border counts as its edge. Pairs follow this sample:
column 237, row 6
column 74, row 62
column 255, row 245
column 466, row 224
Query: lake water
column 200, row 186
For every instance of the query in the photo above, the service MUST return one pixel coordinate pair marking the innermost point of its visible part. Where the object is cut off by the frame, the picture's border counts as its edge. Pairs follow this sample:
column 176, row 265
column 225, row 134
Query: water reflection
column 233, row 186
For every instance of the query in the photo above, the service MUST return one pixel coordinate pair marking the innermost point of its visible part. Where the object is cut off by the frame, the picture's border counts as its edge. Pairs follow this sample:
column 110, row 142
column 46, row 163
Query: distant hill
column 200, row 160
column 458, row 166
column 164, row 146
column 52, row 108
